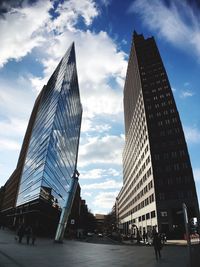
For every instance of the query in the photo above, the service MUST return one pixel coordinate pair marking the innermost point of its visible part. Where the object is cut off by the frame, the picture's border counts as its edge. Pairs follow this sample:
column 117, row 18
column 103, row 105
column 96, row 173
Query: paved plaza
column 83, row 254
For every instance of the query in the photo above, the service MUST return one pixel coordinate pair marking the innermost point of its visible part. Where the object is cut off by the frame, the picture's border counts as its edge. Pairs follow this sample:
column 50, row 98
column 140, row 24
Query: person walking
column 144, row 236
column 33, row 236
column 20, row 232
column 28, row 233
column 157, row 245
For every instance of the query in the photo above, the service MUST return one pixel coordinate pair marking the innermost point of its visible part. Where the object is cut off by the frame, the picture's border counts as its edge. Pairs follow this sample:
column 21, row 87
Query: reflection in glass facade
column 52, row 152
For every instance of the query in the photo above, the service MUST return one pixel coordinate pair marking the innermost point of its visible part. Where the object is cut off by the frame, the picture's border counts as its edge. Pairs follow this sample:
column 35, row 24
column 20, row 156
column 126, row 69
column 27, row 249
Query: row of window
column 172, row 167
column 160, row 114
column 171, row 154
column 127, row 190
column 137, row 197
column 174, row 195
column 147, row 216
column 141, row 205
column 159, row 105
column 175, row 180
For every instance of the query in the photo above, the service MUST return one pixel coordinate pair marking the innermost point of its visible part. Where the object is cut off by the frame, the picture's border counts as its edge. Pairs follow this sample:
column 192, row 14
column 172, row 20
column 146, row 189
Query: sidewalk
column 169, row 242
column 82, row 254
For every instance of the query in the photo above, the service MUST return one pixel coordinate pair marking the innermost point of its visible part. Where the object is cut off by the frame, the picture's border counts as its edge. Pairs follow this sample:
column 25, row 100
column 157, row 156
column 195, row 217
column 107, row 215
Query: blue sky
column 36, row 34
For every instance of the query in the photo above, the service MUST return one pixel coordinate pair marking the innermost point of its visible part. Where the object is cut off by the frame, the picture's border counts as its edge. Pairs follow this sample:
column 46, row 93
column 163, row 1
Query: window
column 158, row 114
column 153, row 214
column 174, row 154
column 184, row 165
column 163, row 213
column 161, row 196
column 176, row 167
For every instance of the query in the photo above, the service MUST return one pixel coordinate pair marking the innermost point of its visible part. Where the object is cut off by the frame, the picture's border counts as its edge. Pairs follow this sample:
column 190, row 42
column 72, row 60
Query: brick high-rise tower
column 157, row 173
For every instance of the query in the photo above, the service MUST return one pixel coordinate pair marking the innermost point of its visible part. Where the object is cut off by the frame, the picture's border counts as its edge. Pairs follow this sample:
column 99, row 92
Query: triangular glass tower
column 50, row 150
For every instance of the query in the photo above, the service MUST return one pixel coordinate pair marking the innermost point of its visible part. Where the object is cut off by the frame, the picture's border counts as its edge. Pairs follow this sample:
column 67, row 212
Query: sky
column 34, row 37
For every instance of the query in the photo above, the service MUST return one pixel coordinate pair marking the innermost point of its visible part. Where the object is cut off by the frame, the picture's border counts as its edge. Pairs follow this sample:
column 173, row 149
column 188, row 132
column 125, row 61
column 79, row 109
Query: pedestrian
column 28, row 233
column 144, row 236
column 138, row 237
column 157, row 245
column 20, row 232
column 33, row 236
column 163, row 238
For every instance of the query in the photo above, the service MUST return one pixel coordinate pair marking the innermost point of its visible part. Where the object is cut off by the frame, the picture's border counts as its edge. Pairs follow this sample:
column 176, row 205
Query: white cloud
column 13, row 127
column 196, row 174
column 185, row 94
column 171, row 22
column 98, row 62
column 109, row 184
column 16, row 95
column 89, row 125
column 8, row 144
column 87, row 194
column 99, row 173
column 21, row 30
column 101, row 66
column 71, row 11
column 113, row 172
column 105, row 200
column 92, row 174
column 17, row 99
column 186, row 84
column 192, row 134
column 107, row 149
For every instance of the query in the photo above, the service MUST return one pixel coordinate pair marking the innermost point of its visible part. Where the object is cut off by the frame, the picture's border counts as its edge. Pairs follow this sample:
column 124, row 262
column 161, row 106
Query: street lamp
column 187, row 232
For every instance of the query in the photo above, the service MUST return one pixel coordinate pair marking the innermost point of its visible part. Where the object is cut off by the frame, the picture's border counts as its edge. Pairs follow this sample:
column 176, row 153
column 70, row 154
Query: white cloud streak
column 171, row 22
column 21, row 30
column 107, row 150
column 98, row 173
column 192, row 134
column 109, row 184
column 197, row 175
column 186, row 94
column 105, row 200
column 8, row 144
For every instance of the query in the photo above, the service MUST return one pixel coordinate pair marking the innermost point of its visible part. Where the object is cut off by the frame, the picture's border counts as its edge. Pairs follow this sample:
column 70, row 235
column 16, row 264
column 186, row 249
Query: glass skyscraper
column 157, row 173
column 39, row 187
column 52, row 152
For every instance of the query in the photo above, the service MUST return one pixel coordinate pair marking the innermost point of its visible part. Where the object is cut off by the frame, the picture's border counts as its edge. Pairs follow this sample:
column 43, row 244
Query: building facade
column 157, row 173
column 48, row 158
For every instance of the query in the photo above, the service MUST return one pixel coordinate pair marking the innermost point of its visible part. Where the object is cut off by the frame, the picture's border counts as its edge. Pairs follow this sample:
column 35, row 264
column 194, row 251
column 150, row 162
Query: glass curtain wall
column 52, row 152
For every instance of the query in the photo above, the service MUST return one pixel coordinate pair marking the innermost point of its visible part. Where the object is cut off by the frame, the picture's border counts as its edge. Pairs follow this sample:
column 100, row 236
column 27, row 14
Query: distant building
column 157, row 173
column 37, row 190
column 100, row 219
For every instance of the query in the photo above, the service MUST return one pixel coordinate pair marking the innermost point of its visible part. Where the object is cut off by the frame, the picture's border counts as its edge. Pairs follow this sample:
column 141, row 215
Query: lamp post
column 185, row 215
column 67, row 208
